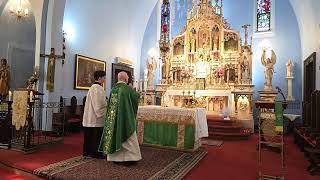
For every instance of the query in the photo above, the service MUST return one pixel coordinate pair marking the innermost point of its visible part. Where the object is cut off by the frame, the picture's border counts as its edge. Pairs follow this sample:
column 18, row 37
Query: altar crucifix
column 245, row 27
column 52, row 57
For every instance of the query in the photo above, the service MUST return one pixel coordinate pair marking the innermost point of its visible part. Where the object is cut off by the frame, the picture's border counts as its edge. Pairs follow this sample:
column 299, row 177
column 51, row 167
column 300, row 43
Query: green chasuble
column 120, row 121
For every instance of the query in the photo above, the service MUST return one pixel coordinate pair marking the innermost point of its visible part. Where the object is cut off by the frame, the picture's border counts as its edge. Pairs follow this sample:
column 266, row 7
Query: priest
column 119, row 140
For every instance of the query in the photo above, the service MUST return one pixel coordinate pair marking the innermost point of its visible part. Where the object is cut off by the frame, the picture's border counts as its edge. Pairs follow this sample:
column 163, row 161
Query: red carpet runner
column 28, row 162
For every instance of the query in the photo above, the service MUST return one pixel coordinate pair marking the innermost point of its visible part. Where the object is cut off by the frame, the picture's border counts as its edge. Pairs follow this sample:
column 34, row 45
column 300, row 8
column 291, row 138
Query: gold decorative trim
column 181, row 132
column 140, row 131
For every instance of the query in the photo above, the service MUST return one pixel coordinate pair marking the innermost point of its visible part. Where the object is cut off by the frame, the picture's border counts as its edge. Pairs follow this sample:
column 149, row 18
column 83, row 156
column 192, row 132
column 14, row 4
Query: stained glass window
column 263, row 15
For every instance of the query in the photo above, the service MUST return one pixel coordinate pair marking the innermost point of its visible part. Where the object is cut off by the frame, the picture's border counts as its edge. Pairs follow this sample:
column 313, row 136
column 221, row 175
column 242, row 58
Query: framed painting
column 84, row 70
column 116, row 68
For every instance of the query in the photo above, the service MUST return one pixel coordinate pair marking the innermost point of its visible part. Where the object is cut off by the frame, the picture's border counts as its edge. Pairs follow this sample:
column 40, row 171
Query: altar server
column 94, row 115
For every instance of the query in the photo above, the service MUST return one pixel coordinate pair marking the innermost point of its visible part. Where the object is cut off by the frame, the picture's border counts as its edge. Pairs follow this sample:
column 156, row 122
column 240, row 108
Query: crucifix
column 52, row 57
column 245, row 27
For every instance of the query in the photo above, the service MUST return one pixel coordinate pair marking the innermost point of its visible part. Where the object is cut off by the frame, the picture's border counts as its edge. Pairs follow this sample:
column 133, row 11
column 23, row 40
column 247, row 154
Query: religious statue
column 245, row 70
column 32, row 81
column 164, row 68
column 193, row 45
column 151, row 68
column 268, row 63
column 4, row 78
column 290, row 67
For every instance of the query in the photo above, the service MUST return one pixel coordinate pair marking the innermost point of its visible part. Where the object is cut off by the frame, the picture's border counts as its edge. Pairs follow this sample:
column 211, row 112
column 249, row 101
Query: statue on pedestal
column 290, row 67
column 268, row 63
column 290, row 77
column 4, row 78
column 151, row 68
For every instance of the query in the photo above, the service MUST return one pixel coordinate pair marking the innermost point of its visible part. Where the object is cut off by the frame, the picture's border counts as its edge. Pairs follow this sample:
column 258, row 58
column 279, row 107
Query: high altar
column 207, row 65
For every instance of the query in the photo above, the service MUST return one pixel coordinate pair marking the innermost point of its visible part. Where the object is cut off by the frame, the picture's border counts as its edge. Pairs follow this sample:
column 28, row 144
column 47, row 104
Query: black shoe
column 131, row 163
column 98, row 157
column 125, row 163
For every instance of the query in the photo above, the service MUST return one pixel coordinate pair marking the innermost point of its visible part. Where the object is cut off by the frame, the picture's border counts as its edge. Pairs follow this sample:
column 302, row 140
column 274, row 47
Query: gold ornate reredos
column 206, row 37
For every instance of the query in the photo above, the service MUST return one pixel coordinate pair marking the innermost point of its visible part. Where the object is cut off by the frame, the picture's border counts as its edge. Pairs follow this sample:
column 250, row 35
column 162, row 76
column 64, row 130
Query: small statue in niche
column 204, row 41
column 151, row 68
column 290, row 67
column 268, row 63
column 245, row 69
column 4, row 78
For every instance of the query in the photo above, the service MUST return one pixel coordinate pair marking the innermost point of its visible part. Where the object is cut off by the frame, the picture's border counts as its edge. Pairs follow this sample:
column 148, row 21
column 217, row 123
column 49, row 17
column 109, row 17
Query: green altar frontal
column 165, row 127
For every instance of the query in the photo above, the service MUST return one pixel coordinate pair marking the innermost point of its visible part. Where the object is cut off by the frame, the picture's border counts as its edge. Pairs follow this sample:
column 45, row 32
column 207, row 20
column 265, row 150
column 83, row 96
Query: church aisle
column 237, row 160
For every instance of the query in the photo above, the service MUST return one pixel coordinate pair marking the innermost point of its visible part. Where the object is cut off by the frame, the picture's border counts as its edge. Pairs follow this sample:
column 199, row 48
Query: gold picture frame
column 84, row 70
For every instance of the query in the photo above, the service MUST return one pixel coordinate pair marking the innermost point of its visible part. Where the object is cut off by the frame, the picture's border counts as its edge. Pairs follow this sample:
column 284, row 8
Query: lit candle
column 10, row 96
column 31, row 96
column 135, row 85
column 26, row 12
column 141, row 84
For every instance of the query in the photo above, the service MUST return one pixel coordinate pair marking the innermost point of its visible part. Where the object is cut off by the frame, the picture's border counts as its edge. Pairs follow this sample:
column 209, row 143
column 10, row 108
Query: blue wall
column 285, row 42
column 150, row 41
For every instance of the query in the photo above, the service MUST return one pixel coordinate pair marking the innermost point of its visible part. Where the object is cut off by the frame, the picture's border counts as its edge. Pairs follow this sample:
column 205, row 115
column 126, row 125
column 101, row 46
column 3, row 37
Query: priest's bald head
column 123, row 76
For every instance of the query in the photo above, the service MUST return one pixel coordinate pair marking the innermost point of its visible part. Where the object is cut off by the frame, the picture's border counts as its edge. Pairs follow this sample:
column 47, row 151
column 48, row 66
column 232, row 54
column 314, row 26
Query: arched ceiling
column 306, row 14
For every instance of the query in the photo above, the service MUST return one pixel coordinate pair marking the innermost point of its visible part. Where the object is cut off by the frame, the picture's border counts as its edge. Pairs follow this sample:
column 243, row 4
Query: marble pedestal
column 268, row 96
column 289, row 96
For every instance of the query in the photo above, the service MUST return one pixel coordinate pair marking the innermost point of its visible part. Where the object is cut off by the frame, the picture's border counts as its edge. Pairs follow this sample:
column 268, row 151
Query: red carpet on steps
column 28, row 162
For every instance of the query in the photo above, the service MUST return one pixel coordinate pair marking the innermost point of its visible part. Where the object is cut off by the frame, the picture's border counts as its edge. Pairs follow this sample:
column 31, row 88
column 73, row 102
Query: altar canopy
column 174, row 127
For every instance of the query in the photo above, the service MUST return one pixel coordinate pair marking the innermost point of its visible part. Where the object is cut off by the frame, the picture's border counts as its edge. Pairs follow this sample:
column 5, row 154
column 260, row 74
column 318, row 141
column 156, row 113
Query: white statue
column 151, row 68
column 245, row 70
column 268, row 64
column 290, row 67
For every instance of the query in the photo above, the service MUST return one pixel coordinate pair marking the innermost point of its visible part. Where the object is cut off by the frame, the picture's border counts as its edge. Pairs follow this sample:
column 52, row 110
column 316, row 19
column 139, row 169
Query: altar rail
column 44, row 125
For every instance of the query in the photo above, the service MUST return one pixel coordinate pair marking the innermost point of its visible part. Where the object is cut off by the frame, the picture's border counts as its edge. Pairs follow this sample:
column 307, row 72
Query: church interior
column 228, row 89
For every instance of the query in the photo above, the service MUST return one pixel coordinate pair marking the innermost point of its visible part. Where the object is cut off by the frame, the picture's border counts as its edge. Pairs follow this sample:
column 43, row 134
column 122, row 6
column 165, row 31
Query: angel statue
column 151, row 68
column 268, row 73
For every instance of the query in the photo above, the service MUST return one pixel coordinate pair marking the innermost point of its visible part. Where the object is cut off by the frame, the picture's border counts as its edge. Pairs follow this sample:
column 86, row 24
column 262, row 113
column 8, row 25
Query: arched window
column 264, row 18
column 264, row 15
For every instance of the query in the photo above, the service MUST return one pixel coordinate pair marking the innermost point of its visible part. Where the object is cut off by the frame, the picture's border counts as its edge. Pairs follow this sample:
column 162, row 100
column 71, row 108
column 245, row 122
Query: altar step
column 226, row 129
